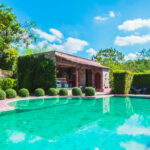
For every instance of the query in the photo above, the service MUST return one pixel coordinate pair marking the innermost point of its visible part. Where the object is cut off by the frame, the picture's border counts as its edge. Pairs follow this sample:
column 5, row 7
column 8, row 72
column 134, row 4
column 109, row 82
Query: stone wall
column 49, row 55
column 82, row 77
column 105, row 78
column 5, row 73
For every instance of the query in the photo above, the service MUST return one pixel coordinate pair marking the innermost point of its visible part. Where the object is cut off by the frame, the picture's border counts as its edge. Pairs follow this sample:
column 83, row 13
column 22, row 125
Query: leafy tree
column 144, row 54
column 29, row 51
column 106, row 56
column 139, row 65
column 115, row 60
column 110, row 58
column 12, row 32
column 9, row 59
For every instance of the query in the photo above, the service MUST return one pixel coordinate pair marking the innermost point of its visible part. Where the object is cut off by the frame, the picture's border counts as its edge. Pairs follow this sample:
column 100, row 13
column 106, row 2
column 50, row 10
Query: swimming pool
column 117, row 123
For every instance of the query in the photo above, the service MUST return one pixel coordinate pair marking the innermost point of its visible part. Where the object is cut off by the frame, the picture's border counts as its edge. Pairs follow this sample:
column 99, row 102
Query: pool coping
column 4, row 106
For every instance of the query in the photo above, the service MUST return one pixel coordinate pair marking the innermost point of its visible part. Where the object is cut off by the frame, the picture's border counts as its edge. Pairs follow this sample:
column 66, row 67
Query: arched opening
column 97, row 80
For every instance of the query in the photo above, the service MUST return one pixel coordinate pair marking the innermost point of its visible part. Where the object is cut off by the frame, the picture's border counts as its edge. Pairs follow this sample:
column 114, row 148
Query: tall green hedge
column 122, row 82
column 36, row 72
column 141, row 80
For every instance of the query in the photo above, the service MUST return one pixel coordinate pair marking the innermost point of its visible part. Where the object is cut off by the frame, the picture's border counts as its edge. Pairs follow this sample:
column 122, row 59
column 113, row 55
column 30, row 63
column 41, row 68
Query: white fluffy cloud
column 133, row 126
column 131, row 40
column 131, row 25
column 72, row 45
column 91, row 51
column 131, row 56
column 56, row 32
column 42, row 44
column 56, row 36
column 111, row 14
column 99, row 18
column 133, row 145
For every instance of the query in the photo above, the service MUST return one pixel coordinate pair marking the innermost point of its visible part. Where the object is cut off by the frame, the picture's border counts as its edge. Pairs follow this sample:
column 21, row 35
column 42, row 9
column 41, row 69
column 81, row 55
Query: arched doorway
column 97, row 80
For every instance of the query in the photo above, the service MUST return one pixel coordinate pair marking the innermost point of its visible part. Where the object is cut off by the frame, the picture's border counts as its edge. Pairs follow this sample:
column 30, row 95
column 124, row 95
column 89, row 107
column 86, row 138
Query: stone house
column 76, row 71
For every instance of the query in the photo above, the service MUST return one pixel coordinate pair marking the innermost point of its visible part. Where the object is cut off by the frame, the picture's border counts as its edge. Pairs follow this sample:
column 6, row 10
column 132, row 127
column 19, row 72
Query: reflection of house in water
column 129, row 107
column 115, row 111
column 106, row 105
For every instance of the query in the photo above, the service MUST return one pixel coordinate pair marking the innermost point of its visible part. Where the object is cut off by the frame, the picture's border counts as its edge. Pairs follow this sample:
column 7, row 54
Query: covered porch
column 69, row 76
column 72, row 71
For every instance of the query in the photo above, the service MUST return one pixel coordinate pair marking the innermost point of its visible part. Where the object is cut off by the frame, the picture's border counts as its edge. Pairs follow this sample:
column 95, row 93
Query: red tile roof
column 79, row 60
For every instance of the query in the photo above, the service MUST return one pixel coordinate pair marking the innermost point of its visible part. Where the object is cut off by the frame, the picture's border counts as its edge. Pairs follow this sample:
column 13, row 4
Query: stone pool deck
column 5, row 107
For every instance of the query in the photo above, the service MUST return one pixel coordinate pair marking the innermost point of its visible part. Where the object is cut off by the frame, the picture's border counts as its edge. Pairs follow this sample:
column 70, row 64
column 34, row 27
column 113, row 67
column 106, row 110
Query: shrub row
column 89, row 91
column 11, row 93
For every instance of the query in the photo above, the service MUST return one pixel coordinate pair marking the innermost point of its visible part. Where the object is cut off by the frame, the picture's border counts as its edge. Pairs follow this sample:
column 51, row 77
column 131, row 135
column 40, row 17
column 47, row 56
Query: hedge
column 63, row 92
column 2, row 94
column 1, row 83
column 34, row 72
column 76, row 91
column 39, row 92
column 8, row 83
column 24, row 92
column 9, row 59
column 89, row 91
column 122, row 82
column 141, row 80
column 53, row 91
column 11, row 93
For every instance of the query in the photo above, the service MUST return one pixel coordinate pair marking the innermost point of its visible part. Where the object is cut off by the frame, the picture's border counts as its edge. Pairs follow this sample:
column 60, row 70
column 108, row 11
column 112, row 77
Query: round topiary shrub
column 11, row 93
column 2, row 95
column 63, row 92
column 24, row 92
column 76, row 91
column 57, row 89
column 39, row 92
column 89, row 91
column 52, row 92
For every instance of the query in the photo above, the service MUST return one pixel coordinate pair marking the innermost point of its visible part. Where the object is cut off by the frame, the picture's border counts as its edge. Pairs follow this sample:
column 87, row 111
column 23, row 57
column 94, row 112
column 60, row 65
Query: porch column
column 77, row 77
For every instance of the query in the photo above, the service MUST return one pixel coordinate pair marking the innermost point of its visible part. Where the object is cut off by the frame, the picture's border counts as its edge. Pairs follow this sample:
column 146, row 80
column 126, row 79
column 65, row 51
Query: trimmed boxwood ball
column 39, row 92
column 63, row 92
column 52, row 91
column 57, row 89
column 76, row 91
column 89, row 91
column 11, row 93
column 24, row 92
column 2, row 95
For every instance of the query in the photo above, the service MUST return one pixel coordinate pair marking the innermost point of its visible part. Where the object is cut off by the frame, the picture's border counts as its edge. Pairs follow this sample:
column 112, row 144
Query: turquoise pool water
column 112, row 123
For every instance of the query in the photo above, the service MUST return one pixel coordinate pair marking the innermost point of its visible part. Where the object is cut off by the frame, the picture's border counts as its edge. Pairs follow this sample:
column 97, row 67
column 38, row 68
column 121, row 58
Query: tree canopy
column 108, row 56
column 115, row 60
column 12, row 32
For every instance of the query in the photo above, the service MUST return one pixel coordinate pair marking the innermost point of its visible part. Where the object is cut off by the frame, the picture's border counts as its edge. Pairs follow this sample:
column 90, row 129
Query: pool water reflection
column 77, row 124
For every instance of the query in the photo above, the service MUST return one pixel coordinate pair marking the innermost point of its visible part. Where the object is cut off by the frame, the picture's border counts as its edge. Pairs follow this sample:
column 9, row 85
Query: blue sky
column 82, row 27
